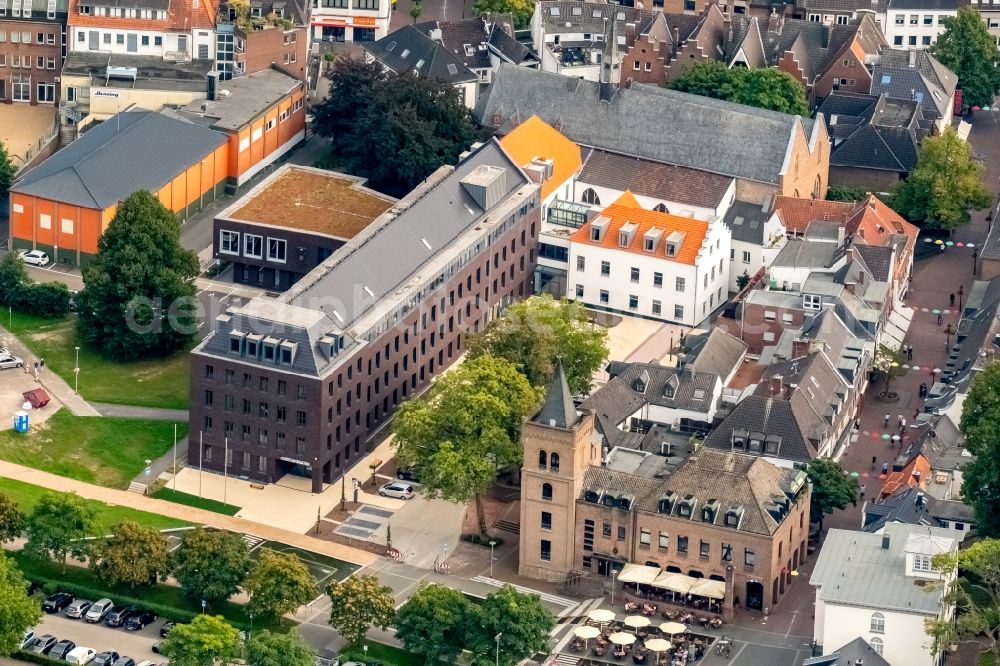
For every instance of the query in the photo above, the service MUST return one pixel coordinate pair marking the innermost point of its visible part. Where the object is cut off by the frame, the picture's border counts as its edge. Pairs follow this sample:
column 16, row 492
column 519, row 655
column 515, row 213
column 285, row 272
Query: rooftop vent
column 486, row 185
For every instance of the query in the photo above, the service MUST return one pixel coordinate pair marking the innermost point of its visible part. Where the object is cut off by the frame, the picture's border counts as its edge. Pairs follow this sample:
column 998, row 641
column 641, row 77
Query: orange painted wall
column 269, row 140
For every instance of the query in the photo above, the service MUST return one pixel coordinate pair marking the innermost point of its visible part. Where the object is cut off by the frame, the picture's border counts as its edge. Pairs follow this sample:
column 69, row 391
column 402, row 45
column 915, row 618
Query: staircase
column 136, row 487
column 508, row 526
column 251, row 541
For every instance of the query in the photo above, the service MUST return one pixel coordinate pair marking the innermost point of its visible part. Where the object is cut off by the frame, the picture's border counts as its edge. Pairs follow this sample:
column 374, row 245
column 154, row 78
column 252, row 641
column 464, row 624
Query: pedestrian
column 899, row 420
column 909, row 353
column 885, row 468
column 874, row 460
column 902, row 423
column 857, row 424
column 939, row 318
column 951, row 299
column 862, row 492
column 886, row 421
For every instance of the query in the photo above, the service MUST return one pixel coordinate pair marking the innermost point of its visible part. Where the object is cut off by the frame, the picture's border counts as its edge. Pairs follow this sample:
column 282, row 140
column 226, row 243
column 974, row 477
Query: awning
column 896, row 326
column 708, row 587
column 638, row 573
column 675, row 582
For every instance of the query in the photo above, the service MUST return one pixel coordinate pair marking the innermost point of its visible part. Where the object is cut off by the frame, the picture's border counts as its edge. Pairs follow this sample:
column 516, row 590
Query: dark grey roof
column 654, row 179
column 383, row 256
column 910, row 506
column 455, row 36
column 576, row 17
column 686, row 388
column 249, row 97
column 799, row 253
column 928, row 5
column 411, row 50
column 873, row 132
column 844, row 5
column 767, row 416
column 707, row 134
column 927, row 81
column 856, row 652
column 112, row 160
column 953, row 510
column 746, row 222
column 509, row 48
column 152, row 72
column 557, row 410
column 877, row 258
column 720, row 354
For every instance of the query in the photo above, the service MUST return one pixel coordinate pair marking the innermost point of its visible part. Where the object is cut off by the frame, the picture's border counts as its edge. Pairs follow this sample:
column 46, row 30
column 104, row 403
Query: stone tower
column 611, row 74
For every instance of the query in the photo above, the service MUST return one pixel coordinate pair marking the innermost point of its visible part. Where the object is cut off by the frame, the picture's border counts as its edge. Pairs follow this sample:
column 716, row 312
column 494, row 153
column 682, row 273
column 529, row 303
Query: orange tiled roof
column 874, row 223
column 626, row 210
column 182, row 15
column 796, row 214
column 905, row 477
column 534, row 138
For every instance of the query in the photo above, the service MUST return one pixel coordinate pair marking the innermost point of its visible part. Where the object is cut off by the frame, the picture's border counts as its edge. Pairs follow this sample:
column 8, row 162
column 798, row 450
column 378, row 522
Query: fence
column 22, row 160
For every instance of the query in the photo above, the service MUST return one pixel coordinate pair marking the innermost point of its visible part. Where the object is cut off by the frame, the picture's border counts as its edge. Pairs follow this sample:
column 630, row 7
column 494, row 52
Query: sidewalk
column 148, row 413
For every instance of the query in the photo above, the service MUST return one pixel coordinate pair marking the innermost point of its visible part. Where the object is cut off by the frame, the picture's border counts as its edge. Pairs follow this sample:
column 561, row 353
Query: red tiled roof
column 796, row 214
column 182, row 15
column 906, row 477
column 874, row 223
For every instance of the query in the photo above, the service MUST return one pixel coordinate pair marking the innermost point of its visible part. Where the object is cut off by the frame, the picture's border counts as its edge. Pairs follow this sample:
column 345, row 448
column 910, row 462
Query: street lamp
column 961, row 290
column 614, row 572
column 203, row 604
column 76, row 373
column 492, row 543
column 497, row 639
column 949, row 330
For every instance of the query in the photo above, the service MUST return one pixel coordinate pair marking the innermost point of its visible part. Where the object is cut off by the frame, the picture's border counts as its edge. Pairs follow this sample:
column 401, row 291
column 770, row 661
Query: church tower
column 558, row 448
column 611, row 74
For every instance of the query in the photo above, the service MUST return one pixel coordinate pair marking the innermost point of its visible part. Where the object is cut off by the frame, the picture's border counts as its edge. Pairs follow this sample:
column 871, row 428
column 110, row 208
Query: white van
column 81, row 655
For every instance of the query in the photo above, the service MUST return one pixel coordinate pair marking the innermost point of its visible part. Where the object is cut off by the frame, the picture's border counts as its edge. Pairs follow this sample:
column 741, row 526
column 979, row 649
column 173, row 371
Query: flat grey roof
column 249, row 96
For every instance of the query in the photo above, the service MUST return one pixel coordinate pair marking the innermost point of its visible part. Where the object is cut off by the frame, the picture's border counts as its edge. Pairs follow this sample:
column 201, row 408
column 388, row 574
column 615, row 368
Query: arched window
column 542, row 463
column 590, row 196
column 554, row 462
column 547, row 491
column 660, row 208
column 816, row 187
column 878, row 623
column 876, row 644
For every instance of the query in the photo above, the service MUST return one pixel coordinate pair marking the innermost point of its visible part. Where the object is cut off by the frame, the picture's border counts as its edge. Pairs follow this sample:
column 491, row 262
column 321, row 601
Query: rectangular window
column 928, row 19
column 633, row 302
column 811, row 301
column 657, row 279
column 580, row 263
column 579, row 291
column 276, row 250
column 252, row 245
column 546, row 520
column 727, row 552
column 606, row 529
column 229, row 242
column 634, row 275
column 605, row 268
column 300, row 417
column 678, row 312
column 45, row 221
column 621, row 532
column 664, row 541
column 657, row 307
column 680, row 284
column 644, row 536
column 682, row 545
column 900, row 19
column 704, row 548
column 749, row 558
column 746, row 257
column 546, row 547
column 604, row 296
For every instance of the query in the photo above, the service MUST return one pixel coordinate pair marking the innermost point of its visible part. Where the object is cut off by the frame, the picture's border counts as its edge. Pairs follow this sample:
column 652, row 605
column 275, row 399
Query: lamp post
column 961, row 291
column 492, row 544
column 76, row 373
column 614, row 572
column 949, row 330
column 497, row 639
column 203, row 604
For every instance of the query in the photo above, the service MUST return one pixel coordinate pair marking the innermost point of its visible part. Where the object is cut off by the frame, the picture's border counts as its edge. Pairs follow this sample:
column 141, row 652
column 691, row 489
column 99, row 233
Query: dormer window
column 686, row 507
column 732, row 517
column 668, row 391
column 650, row 239
column 253, row 346
column 772, row 443
column 626, row 233
column 640, row 383
column 286, row 352
column 598, row 228
column 674, row 241
column 756, row 445
column 236, row 342
column 710, row 511
column 812, row 302
column 666, row 504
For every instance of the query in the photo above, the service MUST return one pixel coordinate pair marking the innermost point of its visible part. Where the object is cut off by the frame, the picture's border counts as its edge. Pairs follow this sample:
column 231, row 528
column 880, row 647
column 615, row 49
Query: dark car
column 57, row 602
column 61, row 649
column 124, row 661
column 119, row 616
column 167, row 627
column 156, row 647
column 139, row 619
column 105, row 658
column 407, row 475
column 43, row 644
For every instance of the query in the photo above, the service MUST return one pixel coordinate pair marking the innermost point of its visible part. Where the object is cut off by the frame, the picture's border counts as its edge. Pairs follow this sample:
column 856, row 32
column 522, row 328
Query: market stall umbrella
column 959, row 244
column 622, row 638
column 950, row 243
column 970, row 245
column 928, row 240
column 637, row 621
column 675, row 582
column 716, row 589
column 935, row 311
column 638, row 574
column 672, row 628
column 586, row 632
column 895, row 438
column 658, row 645
column 601, row 615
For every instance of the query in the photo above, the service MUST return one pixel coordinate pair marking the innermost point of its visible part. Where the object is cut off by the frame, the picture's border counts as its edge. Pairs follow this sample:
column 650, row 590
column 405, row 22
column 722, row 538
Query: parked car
column 105, row 658
column 396, row 489
column 124, row 661
column 407, row 475
column 81, row 655
column 43, row 644
column 34, row 257
column 57, row 602
column 139, row 619
column 327, row 658
column 167, row 627
column 118, row 616
column 78, row 608
column 62, row 648
column 156, row 647
column 8, row 361
column 28, row 638
column 99, row 610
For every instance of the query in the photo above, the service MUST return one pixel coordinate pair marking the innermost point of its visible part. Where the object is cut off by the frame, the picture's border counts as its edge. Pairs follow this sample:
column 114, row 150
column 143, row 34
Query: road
column 135, row 644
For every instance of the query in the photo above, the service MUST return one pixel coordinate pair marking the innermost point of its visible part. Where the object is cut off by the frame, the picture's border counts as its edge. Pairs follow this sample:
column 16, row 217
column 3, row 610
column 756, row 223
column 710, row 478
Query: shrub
column 47, row 299
column 23, row 655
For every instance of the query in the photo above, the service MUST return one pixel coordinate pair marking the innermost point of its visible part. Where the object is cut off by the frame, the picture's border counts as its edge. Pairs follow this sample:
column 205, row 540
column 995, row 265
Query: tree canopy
column 12, row 521
column 271, row 649
column 278, row 583
column 532, row 333
column 465, row 428
column 767, row 88
column 831, row 488
column 211, row 564
column 133, row 555
column 520, row 9
column 358, row 604
column 520, row 620
column 18, row 611
column 979, row 423
column 435, row 623
column 7, row 171
column 967, row 48
column 396, row 130
column 206, row 640
column 946, row 183
column 138, row 295
column 59, row 525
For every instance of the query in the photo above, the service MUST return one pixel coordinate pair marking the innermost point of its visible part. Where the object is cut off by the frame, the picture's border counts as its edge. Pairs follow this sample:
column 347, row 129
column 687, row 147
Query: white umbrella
column 621, row 638
column 601, row 615
column 636, row 621
column 659, row 645
column 672, row 628
column 586, row 633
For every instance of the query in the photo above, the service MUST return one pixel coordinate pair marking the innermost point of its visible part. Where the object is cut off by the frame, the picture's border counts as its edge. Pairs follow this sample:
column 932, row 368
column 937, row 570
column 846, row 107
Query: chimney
column 774, row 22
column 677, row 38
column 841, row 233
column 912, row 57
column 800, row 348
column 885, row 541
column 777, row 384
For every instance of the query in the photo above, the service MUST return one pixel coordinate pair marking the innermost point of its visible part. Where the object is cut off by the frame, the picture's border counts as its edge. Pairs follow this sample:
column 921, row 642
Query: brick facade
column 31, row 60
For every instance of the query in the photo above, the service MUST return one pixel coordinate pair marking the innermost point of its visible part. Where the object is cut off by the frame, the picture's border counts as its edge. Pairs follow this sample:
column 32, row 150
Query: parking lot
column 135, row 644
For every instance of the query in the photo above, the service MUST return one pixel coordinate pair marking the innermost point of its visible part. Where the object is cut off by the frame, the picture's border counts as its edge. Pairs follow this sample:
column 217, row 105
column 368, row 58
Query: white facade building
column 168, row 29
column 916, row 24
column 350, row 20
column 873, row 586
column 757, row 238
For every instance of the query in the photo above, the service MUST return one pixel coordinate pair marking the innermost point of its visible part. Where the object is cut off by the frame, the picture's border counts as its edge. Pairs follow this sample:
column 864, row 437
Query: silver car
column 8, row 361
column 99, row 610
column 396, row 489
column 34, row 257
column 76, row 609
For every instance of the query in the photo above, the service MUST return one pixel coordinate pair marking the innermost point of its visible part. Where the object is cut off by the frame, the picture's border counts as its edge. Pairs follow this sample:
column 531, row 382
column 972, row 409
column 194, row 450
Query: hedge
column 86, row 592
column 35, row 658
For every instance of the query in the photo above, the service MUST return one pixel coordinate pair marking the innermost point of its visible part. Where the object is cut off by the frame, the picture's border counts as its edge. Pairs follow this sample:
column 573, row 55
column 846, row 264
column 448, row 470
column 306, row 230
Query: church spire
column 610, row 62
column 558, row 409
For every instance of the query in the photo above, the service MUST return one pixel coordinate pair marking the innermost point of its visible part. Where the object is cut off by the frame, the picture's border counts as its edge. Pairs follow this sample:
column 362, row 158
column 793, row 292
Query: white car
column 29, row 636
column 81, row 655
column 99, row 611
column 9, row 361
column 34, row 257
column 396, row 489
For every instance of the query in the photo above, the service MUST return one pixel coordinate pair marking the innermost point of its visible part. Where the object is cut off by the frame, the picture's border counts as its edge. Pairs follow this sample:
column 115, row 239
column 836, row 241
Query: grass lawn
column 178, row 497
column 27, row 495
column 387, row 654
column 156, row 383
column 324, row 569
column 106, row 451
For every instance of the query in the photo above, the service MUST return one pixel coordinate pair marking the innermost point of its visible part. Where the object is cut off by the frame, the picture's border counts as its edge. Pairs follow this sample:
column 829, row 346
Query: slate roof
column 817, row 392
column 455, row 35
column 856, row 652
column 706, row 134
column 746, row 222
column 902, row 507
column 953, row 510
column 112, row 160
column 693, row 390
column 557, row 409
column 509, row 48
column 873, row 132
column 800, row 253
column 844, row 5
column 720, row 354
column 927, row 5
column 928, row 81
column 733, row 479
column 577, row 17
column 411, row 50
column 878, row 259
column 854, row 570
column 769, row 416
column 657, row 180
column 612, row 404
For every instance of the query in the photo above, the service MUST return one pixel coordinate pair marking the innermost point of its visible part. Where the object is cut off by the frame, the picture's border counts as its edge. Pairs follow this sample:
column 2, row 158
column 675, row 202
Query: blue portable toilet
column 21, row 421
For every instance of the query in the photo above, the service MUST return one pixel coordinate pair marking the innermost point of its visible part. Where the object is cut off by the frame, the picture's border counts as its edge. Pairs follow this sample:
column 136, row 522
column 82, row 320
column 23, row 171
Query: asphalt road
column 135, row 644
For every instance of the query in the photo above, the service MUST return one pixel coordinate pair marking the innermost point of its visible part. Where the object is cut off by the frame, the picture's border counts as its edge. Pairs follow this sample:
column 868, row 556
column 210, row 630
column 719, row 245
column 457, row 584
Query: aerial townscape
column 500, row 332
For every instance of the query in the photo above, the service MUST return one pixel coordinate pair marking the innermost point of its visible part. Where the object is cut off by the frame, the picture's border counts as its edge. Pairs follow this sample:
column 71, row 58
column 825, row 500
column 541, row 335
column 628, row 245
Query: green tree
column 138, row 295
column 974, row 588
column 520, row 9
column 211, row 564
column 466, row 428
column 207, row 640
column 45, row 299
column 887, row 364
column 18, row 611
column 133, row 555
column 967, row 48
column 767, row 88
column 7, row 171
column 271, row 649
column 59, row 525
column 946, row 183
column 13, row 280
column 278, row 583
column 435, row 622
column 353, row 83
column 979, row 423
column 742, row 281
column 12, row 522
column 532, row 333
column 521, row 622
column 846, row 193
column 416, row 10
column 831, row 488
column 360, row 603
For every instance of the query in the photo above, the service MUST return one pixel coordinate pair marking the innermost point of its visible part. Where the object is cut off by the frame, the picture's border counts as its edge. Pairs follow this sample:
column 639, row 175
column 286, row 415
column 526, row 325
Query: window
column 678, row 312
column 897, row 40
column 704, row 548
column 680, row 284
column 547, row 492
column 604, row 296
column 276, row 249
column 922, row 563
column 580, row 263
column 877, row 645
column 749, row 557
column 657, row 307
column 682, row 545
column 209, row 398
column 633, row 302
column 252, row 245
column 300, row 417
column 280, row 414
column 579, row 291
column 229, row 242
column 634, row 273
column 554, row 462
column 45, row 221
column 546, row 548
column 664, row 540
column 590, row 196
column 925, row 40
column 843, row 19
column 914, row 19
column 606, row 529
column 644, row 537
column 543, row 460
column 900, row 19
column 145, row 40
column 366, row 4
column 877, row 623
column 746, row 257
column 657, row 279
column 621, row 532
column 912, row 41
column 605, row 268
column 811, row 302
column 928, row 19
column 727, row 552
column 546, row 520
column 20, row 88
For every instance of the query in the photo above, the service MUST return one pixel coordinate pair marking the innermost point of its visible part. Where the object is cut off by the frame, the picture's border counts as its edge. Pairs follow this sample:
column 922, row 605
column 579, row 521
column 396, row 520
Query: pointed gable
column 557, row 410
